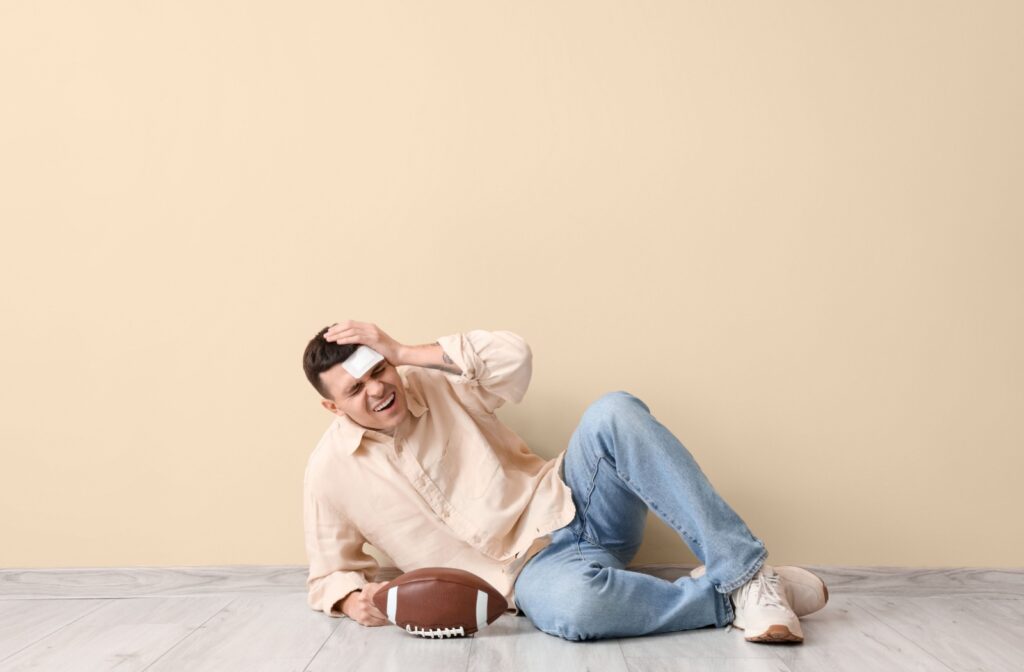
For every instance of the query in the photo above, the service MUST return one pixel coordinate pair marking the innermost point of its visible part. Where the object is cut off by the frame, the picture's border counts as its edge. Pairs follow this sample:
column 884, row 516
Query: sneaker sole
column 775, row 634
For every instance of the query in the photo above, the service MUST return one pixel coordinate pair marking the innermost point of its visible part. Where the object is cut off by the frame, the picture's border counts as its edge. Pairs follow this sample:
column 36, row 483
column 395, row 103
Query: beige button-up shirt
column 454, row 486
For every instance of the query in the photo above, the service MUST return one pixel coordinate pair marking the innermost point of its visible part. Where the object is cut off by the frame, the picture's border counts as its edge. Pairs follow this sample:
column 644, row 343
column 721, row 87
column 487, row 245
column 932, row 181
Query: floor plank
column 993, row 582
column 24, row 622
column 353, row 647
column 125, row 635
column 1009, row 613
column 846, row 637
column 514, row 643
column 703, row 643
column 706, row 665
column 265, row 633
column 29, row 584
column 964, row 633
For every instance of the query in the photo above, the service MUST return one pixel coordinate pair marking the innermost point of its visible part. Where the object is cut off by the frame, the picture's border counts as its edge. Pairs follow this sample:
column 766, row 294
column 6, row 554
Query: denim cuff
column 747, row 575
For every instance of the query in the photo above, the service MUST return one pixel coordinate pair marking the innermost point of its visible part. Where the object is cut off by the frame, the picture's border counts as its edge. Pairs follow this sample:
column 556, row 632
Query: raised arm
column 496, row 367
column 431, row 356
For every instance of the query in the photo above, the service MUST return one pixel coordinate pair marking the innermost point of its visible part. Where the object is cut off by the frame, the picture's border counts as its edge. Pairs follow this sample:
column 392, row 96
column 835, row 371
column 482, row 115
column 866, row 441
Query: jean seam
column 586, row 507
column 668, row 519
column 583, row 527
column 730, row 614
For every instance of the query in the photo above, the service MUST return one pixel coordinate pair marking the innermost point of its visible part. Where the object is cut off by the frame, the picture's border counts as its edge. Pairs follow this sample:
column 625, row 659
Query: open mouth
column 387, row 404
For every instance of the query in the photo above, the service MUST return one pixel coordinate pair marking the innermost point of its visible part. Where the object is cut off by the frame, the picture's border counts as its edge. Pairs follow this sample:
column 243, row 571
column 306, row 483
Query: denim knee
column 575, row 609
column 612, row 407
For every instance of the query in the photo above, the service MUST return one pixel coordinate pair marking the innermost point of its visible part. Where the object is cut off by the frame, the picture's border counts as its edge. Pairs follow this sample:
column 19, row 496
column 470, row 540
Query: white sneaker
column 805, row 591
column 762, row 610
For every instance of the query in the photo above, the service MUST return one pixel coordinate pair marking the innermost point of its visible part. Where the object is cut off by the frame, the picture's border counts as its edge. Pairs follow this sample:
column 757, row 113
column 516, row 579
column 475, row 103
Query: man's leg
column 620, row 461
column 576, row 590
column 650, row 468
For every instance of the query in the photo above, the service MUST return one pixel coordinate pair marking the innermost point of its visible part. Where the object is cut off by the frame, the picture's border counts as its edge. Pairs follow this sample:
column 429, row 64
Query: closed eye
column 379, row 370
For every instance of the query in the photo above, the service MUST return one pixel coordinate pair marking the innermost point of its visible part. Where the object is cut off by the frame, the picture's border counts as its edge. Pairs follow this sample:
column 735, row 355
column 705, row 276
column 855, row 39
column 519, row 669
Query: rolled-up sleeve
column 496, row 367
column 337, row 563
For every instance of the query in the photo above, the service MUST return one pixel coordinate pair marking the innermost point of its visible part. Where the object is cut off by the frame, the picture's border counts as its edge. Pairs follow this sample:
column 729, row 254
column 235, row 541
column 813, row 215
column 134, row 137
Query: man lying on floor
column 417, row 464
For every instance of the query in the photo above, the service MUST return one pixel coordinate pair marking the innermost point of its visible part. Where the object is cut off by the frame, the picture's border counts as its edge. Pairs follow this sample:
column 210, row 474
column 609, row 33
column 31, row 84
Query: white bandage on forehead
column 361, row 361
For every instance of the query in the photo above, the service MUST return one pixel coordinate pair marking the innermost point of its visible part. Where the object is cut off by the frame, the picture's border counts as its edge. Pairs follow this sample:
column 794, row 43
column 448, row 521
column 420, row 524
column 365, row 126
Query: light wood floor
column 256, row 619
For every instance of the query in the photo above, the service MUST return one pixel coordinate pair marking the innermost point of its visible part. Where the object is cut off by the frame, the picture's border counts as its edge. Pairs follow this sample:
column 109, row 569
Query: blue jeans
column 621, row 462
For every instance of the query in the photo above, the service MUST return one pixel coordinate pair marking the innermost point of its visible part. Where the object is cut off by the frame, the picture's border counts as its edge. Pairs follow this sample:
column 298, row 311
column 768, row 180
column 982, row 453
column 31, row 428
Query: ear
column 329, row 405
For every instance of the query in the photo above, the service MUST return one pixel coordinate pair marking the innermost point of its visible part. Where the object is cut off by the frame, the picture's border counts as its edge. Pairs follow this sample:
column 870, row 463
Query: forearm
column 431, row 356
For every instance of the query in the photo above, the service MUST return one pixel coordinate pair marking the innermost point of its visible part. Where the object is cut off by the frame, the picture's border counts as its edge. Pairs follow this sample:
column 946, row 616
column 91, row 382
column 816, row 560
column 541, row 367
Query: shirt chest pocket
column 465, row 467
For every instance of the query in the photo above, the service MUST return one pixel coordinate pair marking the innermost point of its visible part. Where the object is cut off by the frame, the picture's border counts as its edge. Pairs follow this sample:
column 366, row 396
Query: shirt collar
column 350, row 433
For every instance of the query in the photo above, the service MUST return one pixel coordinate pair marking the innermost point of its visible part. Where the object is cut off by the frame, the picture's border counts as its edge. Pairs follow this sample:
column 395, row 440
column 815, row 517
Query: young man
column 417, row 464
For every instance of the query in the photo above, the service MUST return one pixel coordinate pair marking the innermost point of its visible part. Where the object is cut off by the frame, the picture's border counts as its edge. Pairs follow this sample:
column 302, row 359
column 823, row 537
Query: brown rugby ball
column 440, row 602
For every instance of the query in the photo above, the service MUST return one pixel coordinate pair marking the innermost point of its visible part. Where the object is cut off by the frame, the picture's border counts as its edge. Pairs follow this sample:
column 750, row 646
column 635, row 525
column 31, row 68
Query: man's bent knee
column 573, row 620
column 611, row 406
column 576, row 610
column 612, row 413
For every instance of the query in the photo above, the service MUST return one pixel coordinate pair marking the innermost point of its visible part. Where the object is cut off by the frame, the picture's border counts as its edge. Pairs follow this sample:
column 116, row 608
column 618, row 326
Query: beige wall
column 794, row 229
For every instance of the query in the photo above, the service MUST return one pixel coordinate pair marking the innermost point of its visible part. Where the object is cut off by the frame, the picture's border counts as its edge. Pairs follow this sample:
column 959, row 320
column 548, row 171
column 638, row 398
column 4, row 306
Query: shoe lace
column 764, row 590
